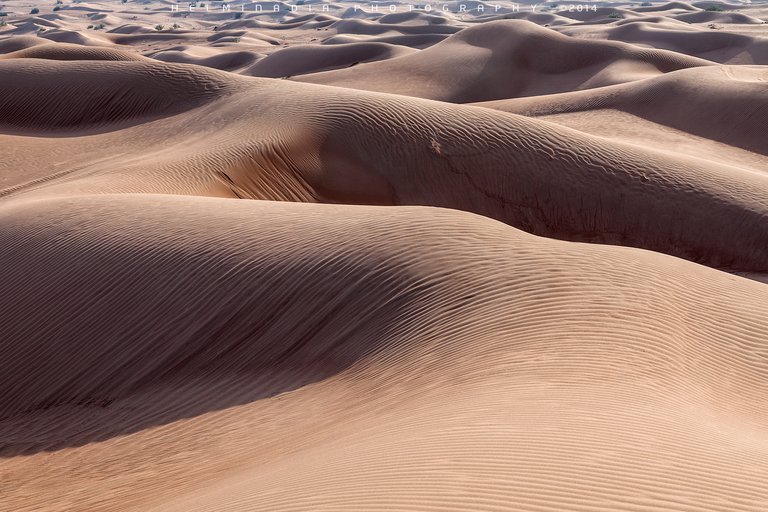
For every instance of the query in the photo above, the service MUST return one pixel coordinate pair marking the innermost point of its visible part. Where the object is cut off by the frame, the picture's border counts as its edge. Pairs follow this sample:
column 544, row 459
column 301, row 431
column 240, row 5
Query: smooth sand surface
column 345, row 260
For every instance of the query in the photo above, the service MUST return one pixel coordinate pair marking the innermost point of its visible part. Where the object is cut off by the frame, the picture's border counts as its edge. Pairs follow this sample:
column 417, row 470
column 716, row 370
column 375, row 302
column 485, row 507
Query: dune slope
column 324, row 257
column 342, row 146
column 432, row 343
column 504, row 59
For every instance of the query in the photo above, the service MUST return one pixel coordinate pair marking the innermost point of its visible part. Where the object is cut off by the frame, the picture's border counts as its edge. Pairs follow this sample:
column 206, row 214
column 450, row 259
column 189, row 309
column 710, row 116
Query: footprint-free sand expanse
column 314, row 257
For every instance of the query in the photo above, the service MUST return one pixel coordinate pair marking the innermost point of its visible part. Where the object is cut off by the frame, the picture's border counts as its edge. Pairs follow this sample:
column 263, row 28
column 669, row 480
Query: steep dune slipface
column 440, row 344
column 50, row 95
column 246, row 305
column 212, row 58
column 301, row 60
column 322, row 144
column 184, row 326
column 416, row 41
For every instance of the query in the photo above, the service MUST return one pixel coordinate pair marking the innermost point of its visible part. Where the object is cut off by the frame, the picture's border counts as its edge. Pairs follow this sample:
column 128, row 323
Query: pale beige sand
column 184, row 325
column 443, row 361
column 339, row 145
column 721, row 103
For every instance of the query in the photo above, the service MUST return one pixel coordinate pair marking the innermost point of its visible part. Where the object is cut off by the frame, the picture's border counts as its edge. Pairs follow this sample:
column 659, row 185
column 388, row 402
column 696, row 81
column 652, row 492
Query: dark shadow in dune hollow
column 274, row 327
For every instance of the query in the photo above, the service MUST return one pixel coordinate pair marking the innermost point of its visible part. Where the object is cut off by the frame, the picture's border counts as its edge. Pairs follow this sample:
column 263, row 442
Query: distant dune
column 468, row 259
column 507, row 58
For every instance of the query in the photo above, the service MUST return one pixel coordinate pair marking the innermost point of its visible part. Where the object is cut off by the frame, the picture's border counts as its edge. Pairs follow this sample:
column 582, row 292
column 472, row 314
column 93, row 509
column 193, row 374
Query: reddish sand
column 408, row 261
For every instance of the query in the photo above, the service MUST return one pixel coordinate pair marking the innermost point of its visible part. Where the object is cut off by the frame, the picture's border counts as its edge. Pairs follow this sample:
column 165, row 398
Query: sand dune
column 418, row 41
column 371, row 28
column 309, row 59
column 418, row 311
column 75, row 37
column 209, row 57
column 503, row 59
column 545, row 19
column 726, row 104
column 324, row 258
column 511, row 168
column 17, row 43
column 722, row 47
column 131, row 28
column 718, row 17
column 35, row 95
column 65, row 51
column 666, row 7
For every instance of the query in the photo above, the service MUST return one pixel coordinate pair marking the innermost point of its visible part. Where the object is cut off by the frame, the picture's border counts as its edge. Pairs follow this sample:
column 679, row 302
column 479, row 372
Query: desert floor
column 314, row 257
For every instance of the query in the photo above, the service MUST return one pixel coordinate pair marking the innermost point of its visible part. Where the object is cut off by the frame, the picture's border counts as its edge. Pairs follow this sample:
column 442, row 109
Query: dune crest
column 505, row 59
column 329, row 257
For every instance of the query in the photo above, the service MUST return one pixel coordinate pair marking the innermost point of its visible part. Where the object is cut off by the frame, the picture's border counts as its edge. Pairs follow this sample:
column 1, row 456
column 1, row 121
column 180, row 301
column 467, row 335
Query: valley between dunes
column 498, row 259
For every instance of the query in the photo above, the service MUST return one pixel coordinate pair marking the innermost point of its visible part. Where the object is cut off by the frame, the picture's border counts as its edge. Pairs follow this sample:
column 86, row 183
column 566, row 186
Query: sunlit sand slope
column 369, row 358
column 497, row 260
column 271, row 139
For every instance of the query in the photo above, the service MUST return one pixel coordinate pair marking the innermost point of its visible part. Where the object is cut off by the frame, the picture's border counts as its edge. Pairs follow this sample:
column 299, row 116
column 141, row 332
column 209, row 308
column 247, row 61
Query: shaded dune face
column 449, row 262
column 412, row 318
column 226, row 61
column 502, row 59
column 217, row 296
column 64, row 51
column 662, row 33
column 725, row 103
column 309, row 59
column 40, row 94
column 17, row 43
column 216, row 299
column 332, row 145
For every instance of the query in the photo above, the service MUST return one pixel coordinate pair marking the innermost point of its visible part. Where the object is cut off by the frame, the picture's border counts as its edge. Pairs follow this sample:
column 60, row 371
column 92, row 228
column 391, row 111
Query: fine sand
column 334, row 259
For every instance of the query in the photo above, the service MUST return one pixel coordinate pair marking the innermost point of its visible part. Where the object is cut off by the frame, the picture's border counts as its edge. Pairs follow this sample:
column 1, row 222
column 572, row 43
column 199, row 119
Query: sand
column 344, row 260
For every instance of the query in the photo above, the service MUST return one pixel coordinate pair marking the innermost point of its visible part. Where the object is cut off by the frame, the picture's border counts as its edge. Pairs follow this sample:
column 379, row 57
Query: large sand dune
column 432, row 343
column 504, row 58
column 347, row 260
column 723, row 103
column 337, row 145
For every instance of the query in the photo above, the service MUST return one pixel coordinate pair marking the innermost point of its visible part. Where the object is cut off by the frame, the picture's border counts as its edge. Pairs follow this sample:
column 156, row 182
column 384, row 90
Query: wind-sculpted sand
column 345, row 260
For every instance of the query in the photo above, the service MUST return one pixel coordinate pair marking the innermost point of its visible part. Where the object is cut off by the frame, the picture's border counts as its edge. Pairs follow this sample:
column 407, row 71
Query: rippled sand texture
column 413, row 261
